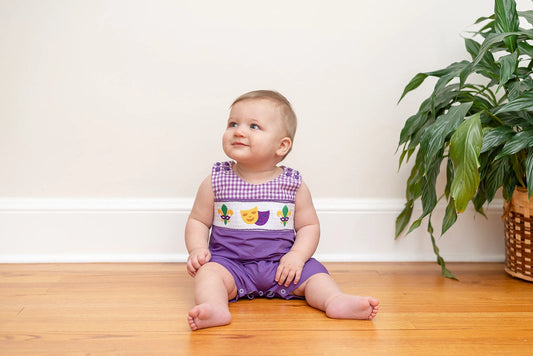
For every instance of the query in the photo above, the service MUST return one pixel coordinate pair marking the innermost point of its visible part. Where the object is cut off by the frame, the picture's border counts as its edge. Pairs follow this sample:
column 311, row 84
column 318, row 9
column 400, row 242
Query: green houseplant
column 477, row 123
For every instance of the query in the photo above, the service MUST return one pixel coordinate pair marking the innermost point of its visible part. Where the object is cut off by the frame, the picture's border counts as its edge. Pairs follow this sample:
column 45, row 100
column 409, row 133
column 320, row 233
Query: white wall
column 109, row 102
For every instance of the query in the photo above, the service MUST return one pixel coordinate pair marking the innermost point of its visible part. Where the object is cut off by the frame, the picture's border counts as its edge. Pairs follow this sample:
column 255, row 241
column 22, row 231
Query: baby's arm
column 307, row 229
column 197, row 228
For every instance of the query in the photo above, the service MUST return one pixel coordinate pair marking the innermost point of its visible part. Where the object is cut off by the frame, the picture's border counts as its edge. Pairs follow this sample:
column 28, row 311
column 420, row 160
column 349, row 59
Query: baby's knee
column 215, row 270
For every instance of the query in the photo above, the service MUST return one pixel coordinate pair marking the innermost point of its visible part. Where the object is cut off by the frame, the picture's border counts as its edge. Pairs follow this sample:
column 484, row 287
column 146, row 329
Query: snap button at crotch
column 241, row 291
column 261, row 293
column 270, row 294
column 251, row 295
column 283, row 291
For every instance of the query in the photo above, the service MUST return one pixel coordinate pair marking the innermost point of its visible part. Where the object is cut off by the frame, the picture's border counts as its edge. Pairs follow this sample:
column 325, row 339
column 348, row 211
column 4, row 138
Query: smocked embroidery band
column 254, row 215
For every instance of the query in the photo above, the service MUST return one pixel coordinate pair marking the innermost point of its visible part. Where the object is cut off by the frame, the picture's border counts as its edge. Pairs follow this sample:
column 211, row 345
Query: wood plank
column 55, row 309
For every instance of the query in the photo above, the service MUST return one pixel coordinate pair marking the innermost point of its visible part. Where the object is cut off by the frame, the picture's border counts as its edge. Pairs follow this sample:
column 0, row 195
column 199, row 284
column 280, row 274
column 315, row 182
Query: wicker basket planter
column 518, row 221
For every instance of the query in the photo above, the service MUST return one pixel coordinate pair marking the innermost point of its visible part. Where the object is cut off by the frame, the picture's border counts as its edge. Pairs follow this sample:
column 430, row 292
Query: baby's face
column 255, row 132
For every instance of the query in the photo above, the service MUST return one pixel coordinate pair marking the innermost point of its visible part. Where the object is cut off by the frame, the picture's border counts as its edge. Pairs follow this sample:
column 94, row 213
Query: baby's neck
column 257, row 175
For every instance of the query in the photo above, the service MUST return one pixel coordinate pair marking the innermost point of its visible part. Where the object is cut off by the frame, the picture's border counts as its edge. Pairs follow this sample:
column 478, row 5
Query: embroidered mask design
column 262, row 218
column 250, row 216
column 254, row 216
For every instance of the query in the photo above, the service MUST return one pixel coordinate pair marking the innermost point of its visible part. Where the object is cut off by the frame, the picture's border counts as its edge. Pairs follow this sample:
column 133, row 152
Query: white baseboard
column 151, row 230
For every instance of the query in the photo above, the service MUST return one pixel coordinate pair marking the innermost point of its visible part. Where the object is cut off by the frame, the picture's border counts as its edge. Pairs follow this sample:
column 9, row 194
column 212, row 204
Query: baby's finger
column 297, row 276
column 278, row 274
column 201, row 259
column 196, row 263
column 284, row 274
column 190, row 269
column 207, row 257
column 290, row 277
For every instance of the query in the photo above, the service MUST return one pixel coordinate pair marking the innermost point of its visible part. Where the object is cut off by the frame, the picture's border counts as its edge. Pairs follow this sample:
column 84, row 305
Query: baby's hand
column 197, row 258
column 290, row 268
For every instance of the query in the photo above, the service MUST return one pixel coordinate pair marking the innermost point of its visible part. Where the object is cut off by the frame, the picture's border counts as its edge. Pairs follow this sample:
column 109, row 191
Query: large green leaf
column 495, row 177
column 523, row 139
column 465, row 146
column 481, row 97
column 403, row 219
column 509, row 187
column 487, row 66
column 495, row 38
column 414, row 182
column 415, row 225
column 522, row 103
column 488, row 28
column 450, row 217
column 516, row 88
column 449, row 178
column 429, row 194
column 446, row 74
column 415, row 125
column 413, row 84
column 515, row 119
column 405, row 153
column 480, row 199
column 496, row 137
column 434, row 137
column 517, row 162
column 444, row 271
column 412, row 125
column 455, row 70
column 508, row 67
column 506, row 20
column 526, row 49
column 472, row 47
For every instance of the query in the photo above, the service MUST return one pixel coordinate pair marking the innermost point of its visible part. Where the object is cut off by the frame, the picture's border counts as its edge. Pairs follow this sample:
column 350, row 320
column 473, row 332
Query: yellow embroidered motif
column 254, row 216
column 250, row 216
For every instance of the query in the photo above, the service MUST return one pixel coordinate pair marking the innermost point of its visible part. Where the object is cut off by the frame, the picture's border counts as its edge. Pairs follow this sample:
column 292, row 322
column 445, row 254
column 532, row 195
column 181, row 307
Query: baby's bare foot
column 345, row 306
column 206, row 315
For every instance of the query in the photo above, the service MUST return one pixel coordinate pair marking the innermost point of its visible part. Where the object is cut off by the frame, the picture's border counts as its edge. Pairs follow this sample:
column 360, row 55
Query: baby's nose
column 239, row 131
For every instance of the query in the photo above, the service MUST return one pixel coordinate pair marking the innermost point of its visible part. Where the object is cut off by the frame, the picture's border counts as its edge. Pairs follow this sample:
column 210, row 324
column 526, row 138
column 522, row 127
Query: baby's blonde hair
column 288, row 115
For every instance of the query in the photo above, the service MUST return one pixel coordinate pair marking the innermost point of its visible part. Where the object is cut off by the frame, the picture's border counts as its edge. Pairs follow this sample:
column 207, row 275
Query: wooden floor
column 128, row 309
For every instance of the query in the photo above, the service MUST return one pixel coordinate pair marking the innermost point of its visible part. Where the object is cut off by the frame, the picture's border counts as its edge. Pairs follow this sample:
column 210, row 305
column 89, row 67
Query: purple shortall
column 253, row 227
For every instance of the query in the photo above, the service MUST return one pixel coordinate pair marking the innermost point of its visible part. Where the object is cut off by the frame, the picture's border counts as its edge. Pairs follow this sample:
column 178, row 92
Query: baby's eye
column 232, row 124
column 254, row 127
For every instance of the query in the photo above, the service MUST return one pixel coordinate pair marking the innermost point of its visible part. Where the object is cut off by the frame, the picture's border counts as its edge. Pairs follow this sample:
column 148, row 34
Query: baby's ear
column 284, row 146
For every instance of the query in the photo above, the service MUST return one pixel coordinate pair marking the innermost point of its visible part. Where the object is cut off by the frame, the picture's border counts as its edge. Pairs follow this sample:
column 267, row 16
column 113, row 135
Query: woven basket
column 518, row 221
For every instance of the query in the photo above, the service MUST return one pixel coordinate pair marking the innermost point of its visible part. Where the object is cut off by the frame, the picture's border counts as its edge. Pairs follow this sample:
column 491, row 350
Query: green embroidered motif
column 225, row 213
column 284, row 215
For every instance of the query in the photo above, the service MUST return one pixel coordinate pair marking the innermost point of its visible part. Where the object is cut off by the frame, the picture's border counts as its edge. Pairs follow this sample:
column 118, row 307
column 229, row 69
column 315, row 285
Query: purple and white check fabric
column 228, row 186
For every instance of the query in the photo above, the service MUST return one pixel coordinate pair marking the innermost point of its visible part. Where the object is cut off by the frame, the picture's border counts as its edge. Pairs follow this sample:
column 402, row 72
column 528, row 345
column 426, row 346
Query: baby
column 253, row 228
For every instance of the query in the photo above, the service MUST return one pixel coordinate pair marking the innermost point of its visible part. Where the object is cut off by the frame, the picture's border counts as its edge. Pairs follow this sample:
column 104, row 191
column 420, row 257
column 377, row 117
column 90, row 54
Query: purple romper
column 253, row 227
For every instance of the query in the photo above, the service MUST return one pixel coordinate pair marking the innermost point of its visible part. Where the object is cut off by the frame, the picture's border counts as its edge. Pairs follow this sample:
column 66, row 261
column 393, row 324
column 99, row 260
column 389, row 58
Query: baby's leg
column 322, row 292
column 213, row 287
